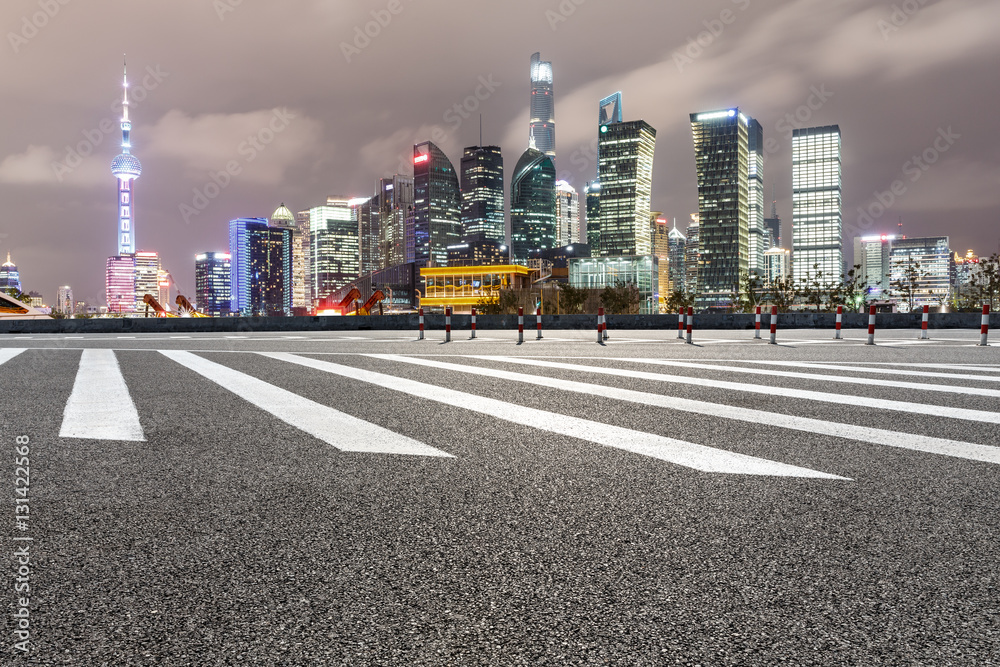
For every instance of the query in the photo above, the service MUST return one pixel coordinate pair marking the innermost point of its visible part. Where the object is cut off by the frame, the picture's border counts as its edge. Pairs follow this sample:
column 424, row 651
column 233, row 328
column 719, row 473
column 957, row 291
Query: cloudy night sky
column 210, row 74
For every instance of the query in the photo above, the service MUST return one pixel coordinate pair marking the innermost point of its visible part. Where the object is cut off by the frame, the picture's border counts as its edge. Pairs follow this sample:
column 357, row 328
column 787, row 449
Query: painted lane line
column 100, row 406
column 837, row 378
column 687, row 454
column 346, row 433
column 824, row 397
column 8, row 353
column 921, row 443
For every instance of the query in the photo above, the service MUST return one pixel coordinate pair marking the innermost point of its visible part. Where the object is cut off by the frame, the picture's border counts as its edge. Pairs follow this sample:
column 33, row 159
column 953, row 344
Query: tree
column 751, row 293
column 679, row 299
column 500, row 302
column 849, row 292
column 906, row 285
column 814, row 288
column 621, row 298
column 782, row 293
column 571, row 299
column 985, row 282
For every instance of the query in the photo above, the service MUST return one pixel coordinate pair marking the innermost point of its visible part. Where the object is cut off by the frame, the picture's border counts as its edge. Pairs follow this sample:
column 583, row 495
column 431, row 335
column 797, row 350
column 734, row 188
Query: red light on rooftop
column 421, row 158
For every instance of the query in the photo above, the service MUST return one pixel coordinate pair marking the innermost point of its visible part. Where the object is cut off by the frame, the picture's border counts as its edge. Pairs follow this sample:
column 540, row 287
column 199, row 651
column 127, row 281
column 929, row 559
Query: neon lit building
column 692, row 248
column 437, row 218
column 461, row 287
column 334, row 246
column 283, row 218
column 120, row 283
column 676, row 262
column 212, row 283
column 482, row 195
column 817, row 220
column 126, row 168
column 543, row 107
column 721, row 148
column 755, row 188
column 532, row 204
column 10, row 277
column 261, row 259
column 592, row 193
column 567, row 214
column 625, row 170
column 147, row 277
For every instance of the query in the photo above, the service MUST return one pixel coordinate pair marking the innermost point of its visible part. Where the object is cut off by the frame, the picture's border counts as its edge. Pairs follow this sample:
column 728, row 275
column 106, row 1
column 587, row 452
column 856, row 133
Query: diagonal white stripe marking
column 921, row 443
column 945, row 388
column 343, row 431
column 100, row 406
column 8, row 353
column 838, row 399
column 690, row 455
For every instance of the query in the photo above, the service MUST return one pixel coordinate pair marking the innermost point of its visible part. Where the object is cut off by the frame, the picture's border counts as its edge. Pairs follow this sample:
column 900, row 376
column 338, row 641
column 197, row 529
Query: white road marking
column 8, row 353
column 100, row 406
column 915, row 442
column 343, row 431
column 835, row 378
column 687, row 454
column 824, row 397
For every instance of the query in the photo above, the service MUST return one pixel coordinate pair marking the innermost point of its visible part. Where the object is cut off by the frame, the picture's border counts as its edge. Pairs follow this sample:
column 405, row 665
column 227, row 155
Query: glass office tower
column 482, row 195
column 532, row 205
column 817, row 221
column 437, row 199
column 543, row 106
column 625, row 170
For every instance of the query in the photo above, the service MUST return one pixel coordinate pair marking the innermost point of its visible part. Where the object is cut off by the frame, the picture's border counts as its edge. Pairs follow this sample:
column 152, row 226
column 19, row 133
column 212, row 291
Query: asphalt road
column 367, row 499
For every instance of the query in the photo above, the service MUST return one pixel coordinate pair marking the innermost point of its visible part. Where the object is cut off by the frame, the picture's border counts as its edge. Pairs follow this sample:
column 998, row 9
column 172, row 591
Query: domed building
column 285, row 219
column 10, row 278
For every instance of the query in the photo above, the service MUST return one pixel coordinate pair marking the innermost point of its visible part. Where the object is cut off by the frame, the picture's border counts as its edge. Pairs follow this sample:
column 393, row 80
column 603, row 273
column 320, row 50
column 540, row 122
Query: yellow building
column 461, row 287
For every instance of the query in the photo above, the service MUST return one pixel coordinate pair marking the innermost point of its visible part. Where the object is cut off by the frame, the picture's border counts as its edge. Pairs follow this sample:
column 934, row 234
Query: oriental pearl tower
column 126, row 168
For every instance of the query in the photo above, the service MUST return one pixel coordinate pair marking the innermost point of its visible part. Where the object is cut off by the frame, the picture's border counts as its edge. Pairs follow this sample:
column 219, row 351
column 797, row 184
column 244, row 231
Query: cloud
column 264, row 143
column 31, row 167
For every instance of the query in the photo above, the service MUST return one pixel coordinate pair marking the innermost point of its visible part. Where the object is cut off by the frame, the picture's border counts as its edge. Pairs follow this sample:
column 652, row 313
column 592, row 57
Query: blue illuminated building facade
column 260, row 268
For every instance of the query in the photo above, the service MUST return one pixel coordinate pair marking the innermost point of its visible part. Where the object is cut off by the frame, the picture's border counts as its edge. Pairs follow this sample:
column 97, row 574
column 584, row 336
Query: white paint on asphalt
column 915, row 442
column 838, row 378
column 687, row 454
column 824, row 397
column 346, row 433
column 8, row 353
column 100, row 406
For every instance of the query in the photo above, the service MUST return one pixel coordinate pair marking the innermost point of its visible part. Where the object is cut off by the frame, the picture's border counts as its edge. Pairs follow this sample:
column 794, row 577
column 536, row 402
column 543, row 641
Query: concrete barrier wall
column 236, row 325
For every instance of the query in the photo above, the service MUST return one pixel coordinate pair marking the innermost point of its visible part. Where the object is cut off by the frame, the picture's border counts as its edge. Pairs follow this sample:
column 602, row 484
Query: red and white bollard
column 690, row 323
column 840, row 323
column 420, row 336
column 923, row 323
column 871, row 325
column 538, row 323
column 984, row 330
column 473, row 323
column 680, row 323
column 520, row 325
column 774, row 326
column 447, row 324
column 600, row 325
column 756, row 324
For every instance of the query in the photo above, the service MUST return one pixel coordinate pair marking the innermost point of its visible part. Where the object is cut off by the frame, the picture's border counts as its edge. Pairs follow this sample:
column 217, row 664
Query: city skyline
column 193, row 121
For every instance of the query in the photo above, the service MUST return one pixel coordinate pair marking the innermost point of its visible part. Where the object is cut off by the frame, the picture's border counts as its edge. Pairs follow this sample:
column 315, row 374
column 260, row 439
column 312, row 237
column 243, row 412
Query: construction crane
column 185, row 308
column 151, row 302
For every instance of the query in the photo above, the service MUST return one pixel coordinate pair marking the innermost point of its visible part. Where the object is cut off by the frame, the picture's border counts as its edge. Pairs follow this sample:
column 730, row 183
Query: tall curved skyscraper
column 437, row 202
column 532, row 204
column 126, row 168
column 543, row 106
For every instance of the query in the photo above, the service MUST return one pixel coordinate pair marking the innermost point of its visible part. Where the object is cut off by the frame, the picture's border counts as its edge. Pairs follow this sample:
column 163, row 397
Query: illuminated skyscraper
column 772, row 225
column 543, row 106
column 64, row 300
column 592, row 193
column 395, row 203
column 691, row 252
column 755, row 189
column 436, row 205
column 260, row 261
column 147, row 277
column 532, row 204
column 212, row 283
column 676, row 261
column 482, row 195
column 369, row 232
column 932, row 286
column 283, row 218
column 10, row 277
column 817, row 221
column 721, row 148
column 874, row 255
column 120, row 283
column 126, row 168
column 625, row 169
column 334, row 246
column 567, row 215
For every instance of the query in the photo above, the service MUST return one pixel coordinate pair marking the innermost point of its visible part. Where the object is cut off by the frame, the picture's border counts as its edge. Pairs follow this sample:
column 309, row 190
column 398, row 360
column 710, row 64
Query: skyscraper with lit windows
column 260, row 263
column 567, row 214
column 335, row 249
column 212, row 281
column 482, row 195
column 817, row 199
column 543, row 106
column 532, row 204
column 437, row 219
column 625, row 170
column 721, row 149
